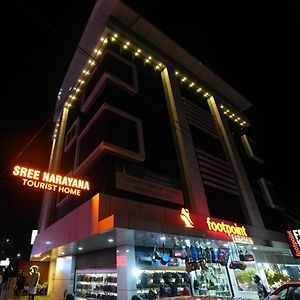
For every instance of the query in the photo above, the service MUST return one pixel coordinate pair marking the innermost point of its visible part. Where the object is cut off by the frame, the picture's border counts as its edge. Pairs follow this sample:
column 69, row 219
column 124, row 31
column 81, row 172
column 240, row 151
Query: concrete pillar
column 249, row 204
column 193, row 188
column 54, row 164
column 51, row 277
column 126, row 272
column 64, row 277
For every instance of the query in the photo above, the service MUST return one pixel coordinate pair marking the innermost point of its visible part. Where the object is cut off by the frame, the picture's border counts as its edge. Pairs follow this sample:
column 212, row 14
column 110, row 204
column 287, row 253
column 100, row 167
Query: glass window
column 294, row 293
column 244, row 278
column 71, row 135
column 282, row 294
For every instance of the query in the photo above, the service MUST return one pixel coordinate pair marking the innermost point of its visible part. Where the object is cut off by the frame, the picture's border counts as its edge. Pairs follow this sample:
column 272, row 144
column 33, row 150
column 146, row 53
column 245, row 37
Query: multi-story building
column 167, row 168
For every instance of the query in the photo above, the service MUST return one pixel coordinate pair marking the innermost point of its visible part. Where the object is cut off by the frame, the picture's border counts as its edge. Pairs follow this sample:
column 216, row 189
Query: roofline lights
column 127, row 45
column 87, row 71
column 234, row 117
column 197, row 89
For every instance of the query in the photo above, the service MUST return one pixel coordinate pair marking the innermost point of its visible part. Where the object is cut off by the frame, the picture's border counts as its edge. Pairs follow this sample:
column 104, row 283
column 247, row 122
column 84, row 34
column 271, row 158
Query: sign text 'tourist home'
column 51, row 182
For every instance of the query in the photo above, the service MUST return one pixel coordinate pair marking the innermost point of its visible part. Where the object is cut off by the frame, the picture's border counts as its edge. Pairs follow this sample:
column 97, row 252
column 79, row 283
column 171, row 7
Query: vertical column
column 193, row 185
column 64, row 277
column 56, row 158
column 126, row 272
column 51, row 277
column 249, row 204
column 54, row 163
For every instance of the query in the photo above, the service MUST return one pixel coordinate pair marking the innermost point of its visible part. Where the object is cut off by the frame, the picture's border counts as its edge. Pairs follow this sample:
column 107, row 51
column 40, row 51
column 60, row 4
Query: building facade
column 165, row 191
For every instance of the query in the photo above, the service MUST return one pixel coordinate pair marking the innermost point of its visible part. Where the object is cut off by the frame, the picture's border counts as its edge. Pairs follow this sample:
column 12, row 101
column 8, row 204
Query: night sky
column 252, row 45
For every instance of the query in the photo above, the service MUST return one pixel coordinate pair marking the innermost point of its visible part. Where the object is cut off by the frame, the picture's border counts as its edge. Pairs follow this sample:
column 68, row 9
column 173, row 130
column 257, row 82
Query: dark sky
column 253, row 45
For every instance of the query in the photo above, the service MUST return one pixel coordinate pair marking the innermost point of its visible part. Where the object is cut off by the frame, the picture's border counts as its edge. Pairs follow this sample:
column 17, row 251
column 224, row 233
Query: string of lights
column 93, row 61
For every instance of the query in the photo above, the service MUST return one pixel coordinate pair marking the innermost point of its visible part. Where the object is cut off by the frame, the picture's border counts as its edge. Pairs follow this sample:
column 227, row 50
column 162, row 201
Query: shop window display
column 244, row 278
column 162, row 283
column 243, row 264
column 278, row 274
column 211, row 280
column 99, row 284
column 194, row 267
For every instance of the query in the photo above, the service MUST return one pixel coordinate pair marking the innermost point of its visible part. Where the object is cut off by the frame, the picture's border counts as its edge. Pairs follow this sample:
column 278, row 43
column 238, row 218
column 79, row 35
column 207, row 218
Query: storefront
column 162, row 264
column 166, row 264
column 161, row 269
column 159, row 250
column 96, row 283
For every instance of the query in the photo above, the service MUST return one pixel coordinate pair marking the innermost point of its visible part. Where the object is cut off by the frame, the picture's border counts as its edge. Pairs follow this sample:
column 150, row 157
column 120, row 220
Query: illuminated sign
column 226, row 228
column 293, row 238
column 242, row 239
column 185, row 217
column 5, row 263
column 31, row 269
column 121, row 261
column 33, row 236
column 51, row 182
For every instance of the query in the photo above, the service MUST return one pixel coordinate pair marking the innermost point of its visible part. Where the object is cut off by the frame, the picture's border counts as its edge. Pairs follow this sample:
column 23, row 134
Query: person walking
column 5, row 282
column 21, row 279
column 33, row 282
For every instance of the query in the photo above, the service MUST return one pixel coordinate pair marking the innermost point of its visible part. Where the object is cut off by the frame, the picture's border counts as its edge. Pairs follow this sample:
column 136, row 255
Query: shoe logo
column 185, row 217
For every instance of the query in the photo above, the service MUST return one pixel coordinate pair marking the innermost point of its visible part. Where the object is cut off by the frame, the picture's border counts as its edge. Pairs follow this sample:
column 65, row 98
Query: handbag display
column 223, row 255
column 237, row 265
column 165, row 258
column 248, row 256
column 156, row 253
column 245, row 256
column 241, row 255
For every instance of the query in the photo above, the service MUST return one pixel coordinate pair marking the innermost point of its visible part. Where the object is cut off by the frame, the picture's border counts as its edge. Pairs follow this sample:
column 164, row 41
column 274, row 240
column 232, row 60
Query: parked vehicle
column 183, row 298
column 198, row 298
column 287, row 291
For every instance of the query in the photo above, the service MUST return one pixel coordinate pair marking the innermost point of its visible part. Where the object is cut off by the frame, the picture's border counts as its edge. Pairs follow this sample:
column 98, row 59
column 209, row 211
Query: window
column 294, row 293
column 282, row 294
column 244, row 278
column 71, row 136
column 110, row 131
column 115, row 69
column 289, row 293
